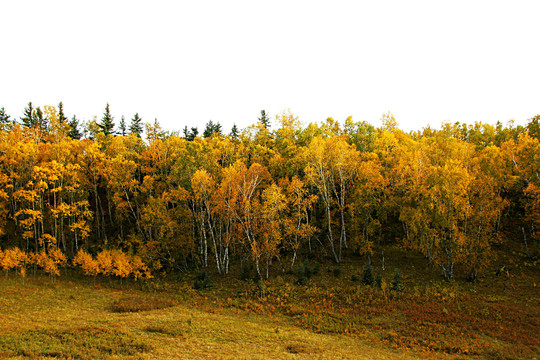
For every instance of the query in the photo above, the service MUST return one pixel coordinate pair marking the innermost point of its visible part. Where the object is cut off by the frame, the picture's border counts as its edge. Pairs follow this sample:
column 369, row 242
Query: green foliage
column 234, row 132
column 378, row 278
column 136, row 126
column 245, row 271
column 533, row 127
column 202, row 281
column 62, row 119
column 122, row 126
column 264, row 119
column 74, row 132
column 397, row 283
column 28, row 116
column 191, row 134
column 211, row 128
column 367, row 275
column 306, row 271
column 4, row 118
column 106, row 125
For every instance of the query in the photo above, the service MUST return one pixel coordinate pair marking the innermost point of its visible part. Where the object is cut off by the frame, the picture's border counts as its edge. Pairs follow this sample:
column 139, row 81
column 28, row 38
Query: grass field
column 332, row 316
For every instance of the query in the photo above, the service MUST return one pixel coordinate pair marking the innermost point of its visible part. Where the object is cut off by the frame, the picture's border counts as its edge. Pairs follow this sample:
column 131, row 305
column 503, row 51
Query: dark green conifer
column 61, row 116
column 74, row 132
column 28, row 119
column 264, row 119
column 122, row 126
column 136, row 125
column 4, row 118
column 106, row 125
column 234, row 132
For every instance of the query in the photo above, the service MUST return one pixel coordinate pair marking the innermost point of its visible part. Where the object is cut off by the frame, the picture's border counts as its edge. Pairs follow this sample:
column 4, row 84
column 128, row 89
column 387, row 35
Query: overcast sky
column 187, row 62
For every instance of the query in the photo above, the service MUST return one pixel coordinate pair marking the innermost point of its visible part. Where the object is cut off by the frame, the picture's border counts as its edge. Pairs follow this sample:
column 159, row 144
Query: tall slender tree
column 122, row 126
column 61, row 116
column 234, row 132
column 74, row 131
column 264, row 119
column 40, row 120
column 136, row 125
column 106, row 125
column 211, row 129
column 28, row 116
column 4, row 118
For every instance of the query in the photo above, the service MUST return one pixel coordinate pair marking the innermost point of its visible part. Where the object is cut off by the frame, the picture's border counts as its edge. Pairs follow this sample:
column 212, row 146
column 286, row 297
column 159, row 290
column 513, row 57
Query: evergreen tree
column 4, row 117
column 234, row 132
column 61, row 116
column 122, row 126
column 534, row 127
column 136, row 125
column 367, row 276
column 74, row 132
column 192, row 134
column 264, row 119
column 39, row 120
column 28, row 116
column 107, row 124
column 211, row 129
column 185, row 132
column 397, row 284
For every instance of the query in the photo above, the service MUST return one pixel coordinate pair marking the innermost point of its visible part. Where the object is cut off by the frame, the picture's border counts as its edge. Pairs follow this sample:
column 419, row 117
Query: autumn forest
column 147, row 201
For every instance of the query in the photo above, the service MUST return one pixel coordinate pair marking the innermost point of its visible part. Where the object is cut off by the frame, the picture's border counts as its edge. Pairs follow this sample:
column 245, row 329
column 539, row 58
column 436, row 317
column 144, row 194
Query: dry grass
column 328, row 318
column 72, row 320
column 135, row 303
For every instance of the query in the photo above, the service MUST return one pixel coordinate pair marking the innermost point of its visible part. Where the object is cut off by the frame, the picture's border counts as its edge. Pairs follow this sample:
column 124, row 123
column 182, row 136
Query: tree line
column 270, row 197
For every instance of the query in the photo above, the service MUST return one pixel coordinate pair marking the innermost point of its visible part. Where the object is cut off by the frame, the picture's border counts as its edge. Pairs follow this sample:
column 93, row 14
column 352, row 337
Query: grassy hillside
column 332, row 316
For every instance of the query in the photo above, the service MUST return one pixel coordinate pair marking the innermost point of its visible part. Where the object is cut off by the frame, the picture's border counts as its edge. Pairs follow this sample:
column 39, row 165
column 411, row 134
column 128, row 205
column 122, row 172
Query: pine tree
column 234, row 132
column 28, row 116
column 218, row 129
column 397, row 284
column 136, row 125
column 61, row 116
column 534, row 127
column 264, row 119
column 40, row 120
column 107, row 124
column 211, row 129
column 4, row 118
column 192, row 134
column 122, row 126
column 74, row 132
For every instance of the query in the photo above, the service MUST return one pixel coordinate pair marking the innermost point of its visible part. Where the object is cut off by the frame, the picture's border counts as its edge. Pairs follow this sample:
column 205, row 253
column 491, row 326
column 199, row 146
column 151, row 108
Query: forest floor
column 331, row 316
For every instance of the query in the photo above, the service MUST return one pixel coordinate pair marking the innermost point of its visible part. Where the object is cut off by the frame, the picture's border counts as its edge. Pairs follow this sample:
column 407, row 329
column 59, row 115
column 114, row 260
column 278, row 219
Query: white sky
column 186, row 62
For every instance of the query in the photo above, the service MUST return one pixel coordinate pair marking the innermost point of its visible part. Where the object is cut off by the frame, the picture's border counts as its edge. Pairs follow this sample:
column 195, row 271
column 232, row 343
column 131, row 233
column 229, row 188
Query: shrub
column 245, row 272
column 202, row 281
column 112, row 262
column 305, row 272
column 397, row 284
column 337, row 272
column 86, row 262
column 138, row 303
column 13, row 259
column 367, row 276
column 378, row 278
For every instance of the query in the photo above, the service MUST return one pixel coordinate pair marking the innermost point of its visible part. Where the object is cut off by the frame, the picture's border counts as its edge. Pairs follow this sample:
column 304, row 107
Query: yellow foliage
column 86, row 262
